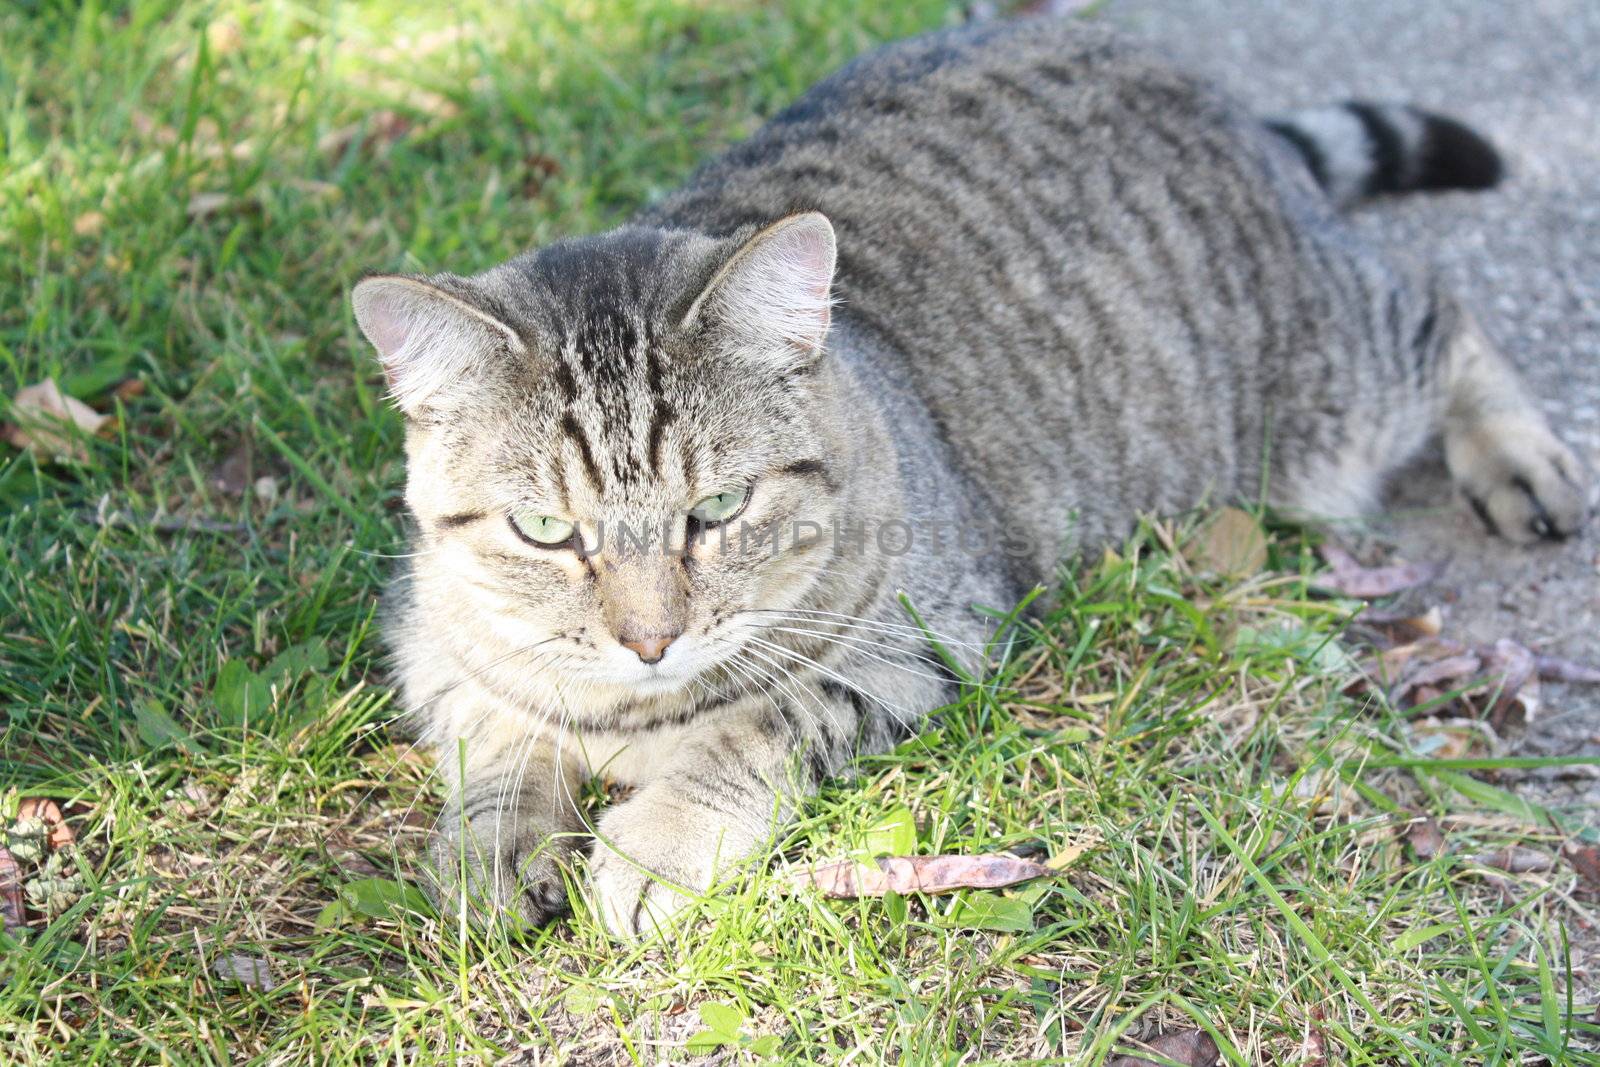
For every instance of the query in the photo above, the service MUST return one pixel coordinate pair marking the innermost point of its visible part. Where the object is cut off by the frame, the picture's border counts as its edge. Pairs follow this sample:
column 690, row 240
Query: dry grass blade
column 848, row 879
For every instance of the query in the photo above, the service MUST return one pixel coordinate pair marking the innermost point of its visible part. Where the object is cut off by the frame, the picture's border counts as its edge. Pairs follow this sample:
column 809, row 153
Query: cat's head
column 600, row 436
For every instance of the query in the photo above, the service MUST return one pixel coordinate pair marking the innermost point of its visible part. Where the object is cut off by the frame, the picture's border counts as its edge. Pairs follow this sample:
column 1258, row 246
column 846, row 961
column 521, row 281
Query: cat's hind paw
column 1520, row 479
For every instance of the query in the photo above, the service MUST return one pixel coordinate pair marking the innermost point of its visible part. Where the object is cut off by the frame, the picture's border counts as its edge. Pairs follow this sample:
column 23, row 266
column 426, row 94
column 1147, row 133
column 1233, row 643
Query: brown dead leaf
column 252, row 972
column 1313, row 1051
column 48, row 812
column 88, row 224
column 1556, row 669
column 1585, row 859
column 1349, row 578
column 1492, row 681
column 204, row 205
column 224, row 37
column 44, row 413
column 1398, row 628
column 1424, row 837
column 128, row 389
column 1514, row 859
column 236, row 471
column 1193, row 1048
column 1230, row 544
column 381, row 129
column 1512, row 682
column 11, row 915
column 541, row 168
column 848, row 879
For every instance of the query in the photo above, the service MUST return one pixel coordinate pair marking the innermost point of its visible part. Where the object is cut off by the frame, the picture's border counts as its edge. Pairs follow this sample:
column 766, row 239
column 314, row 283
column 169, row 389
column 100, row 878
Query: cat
column 971, row 305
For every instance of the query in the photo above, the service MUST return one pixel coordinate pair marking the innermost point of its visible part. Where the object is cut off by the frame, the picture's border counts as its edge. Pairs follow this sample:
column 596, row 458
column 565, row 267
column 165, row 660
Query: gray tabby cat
column 972, row 304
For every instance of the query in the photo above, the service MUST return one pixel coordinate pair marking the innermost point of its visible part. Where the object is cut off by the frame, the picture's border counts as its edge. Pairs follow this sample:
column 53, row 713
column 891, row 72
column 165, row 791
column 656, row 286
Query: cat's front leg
column 718, row 799
column 511, row 822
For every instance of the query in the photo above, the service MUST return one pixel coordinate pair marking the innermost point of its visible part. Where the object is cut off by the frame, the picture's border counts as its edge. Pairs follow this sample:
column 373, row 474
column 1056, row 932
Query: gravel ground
column 1526, row 255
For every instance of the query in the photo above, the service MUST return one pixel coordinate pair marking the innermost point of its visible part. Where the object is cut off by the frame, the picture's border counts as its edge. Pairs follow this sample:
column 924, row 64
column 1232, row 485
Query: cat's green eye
column 544, row 530
column 719, row 507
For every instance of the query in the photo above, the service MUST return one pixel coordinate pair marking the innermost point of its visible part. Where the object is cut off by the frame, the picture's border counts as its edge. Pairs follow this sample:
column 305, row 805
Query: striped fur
column 1072, row 286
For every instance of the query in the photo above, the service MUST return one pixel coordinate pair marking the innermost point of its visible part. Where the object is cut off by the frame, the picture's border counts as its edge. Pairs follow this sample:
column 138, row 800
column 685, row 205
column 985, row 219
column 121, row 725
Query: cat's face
column 614, row 450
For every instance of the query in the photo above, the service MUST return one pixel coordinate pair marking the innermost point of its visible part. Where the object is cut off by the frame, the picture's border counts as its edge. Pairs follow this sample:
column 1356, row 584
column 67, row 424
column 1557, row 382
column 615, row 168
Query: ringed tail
column 1357, row 149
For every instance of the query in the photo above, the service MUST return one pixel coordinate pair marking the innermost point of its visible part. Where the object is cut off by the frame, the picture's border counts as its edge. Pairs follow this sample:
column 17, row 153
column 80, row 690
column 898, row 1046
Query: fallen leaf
column 541, row 169
column 88, row 224
column 43, row 413
column 1313, row 1051
column 316, row 190
column 1516, row 860
column 1513, row 682
column 1230, row 544
column 48, row 812
column 1585, row 859
column 1492, row 681
column 193, row 800
column 1453, row 738
column 1556, row 669
column 1397, row 628
column 204, row 205
column 1193, row 1048
column 990, row 911
column 1425, row 838
column 847, row 879
column 252, row 972
column 1448, row 672
column 1349, row 578
column 1069, row 855
column 129, row 388
column 381, row 129
column 234, row 474
column 224, row 37
column 10, row 890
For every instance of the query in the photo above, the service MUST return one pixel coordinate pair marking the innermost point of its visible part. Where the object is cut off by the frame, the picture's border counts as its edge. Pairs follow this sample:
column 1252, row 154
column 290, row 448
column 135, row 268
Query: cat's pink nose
column 652, row 648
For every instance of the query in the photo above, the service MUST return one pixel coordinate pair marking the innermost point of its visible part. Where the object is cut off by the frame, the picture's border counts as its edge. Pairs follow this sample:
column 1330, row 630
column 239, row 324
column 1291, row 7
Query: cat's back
column 1042, row 225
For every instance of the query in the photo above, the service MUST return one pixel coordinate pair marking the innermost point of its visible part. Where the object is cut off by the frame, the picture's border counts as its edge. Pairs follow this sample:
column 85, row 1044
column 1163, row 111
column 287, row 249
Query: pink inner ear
column 386, row 324
column 782, row 287
column 812, row 257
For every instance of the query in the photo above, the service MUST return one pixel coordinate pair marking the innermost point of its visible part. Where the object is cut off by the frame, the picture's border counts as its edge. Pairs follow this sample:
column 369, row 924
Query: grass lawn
column 190, row 664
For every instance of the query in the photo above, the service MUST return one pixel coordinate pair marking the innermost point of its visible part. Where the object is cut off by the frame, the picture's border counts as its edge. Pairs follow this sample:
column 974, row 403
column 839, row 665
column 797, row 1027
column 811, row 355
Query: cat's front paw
column 499, row 869
column 649, row 861
column 1522, row 481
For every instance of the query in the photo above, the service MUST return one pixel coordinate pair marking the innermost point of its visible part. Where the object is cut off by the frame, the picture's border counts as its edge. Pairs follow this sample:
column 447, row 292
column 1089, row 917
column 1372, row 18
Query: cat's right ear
column 427, row 339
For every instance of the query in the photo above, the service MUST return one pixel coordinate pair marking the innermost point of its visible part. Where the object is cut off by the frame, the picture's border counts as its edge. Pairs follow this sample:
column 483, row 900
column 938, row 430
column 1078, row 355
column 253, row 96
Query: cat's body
column 1073, row 287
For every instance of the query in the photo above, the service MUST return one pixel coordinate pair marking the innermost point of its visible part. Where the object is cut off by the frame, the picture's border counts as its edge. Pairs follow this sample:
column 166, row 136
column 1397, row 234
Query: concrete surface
column 1527, row 256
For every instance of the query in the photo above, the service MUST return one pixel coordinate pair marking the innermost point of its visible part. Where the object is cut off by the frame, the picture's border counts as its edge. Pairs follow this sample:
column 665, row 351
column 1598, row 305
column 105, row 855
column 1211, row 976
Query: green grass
column 1243, row 871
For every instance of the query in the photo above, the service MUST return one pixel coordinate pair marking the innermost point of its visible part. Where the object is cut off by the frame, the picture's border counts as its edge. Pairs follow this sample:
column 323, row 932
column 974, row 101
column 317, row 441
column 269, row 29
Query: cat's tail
column 1357, row 150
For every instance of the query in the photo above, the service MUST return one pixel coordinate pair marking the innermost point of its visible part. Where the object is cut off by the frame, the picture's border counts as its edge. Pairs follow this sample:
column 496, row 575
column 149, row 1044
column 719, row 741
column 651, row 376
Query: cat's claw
column 630, row 900
column 647, row 866
column 521, row 883
column 1520, row 479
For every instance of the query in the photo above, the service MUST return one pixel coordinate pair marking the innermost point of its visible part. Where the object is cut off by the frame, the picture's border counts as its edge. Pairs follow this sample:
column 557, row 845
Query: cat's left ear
column 773, row 296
